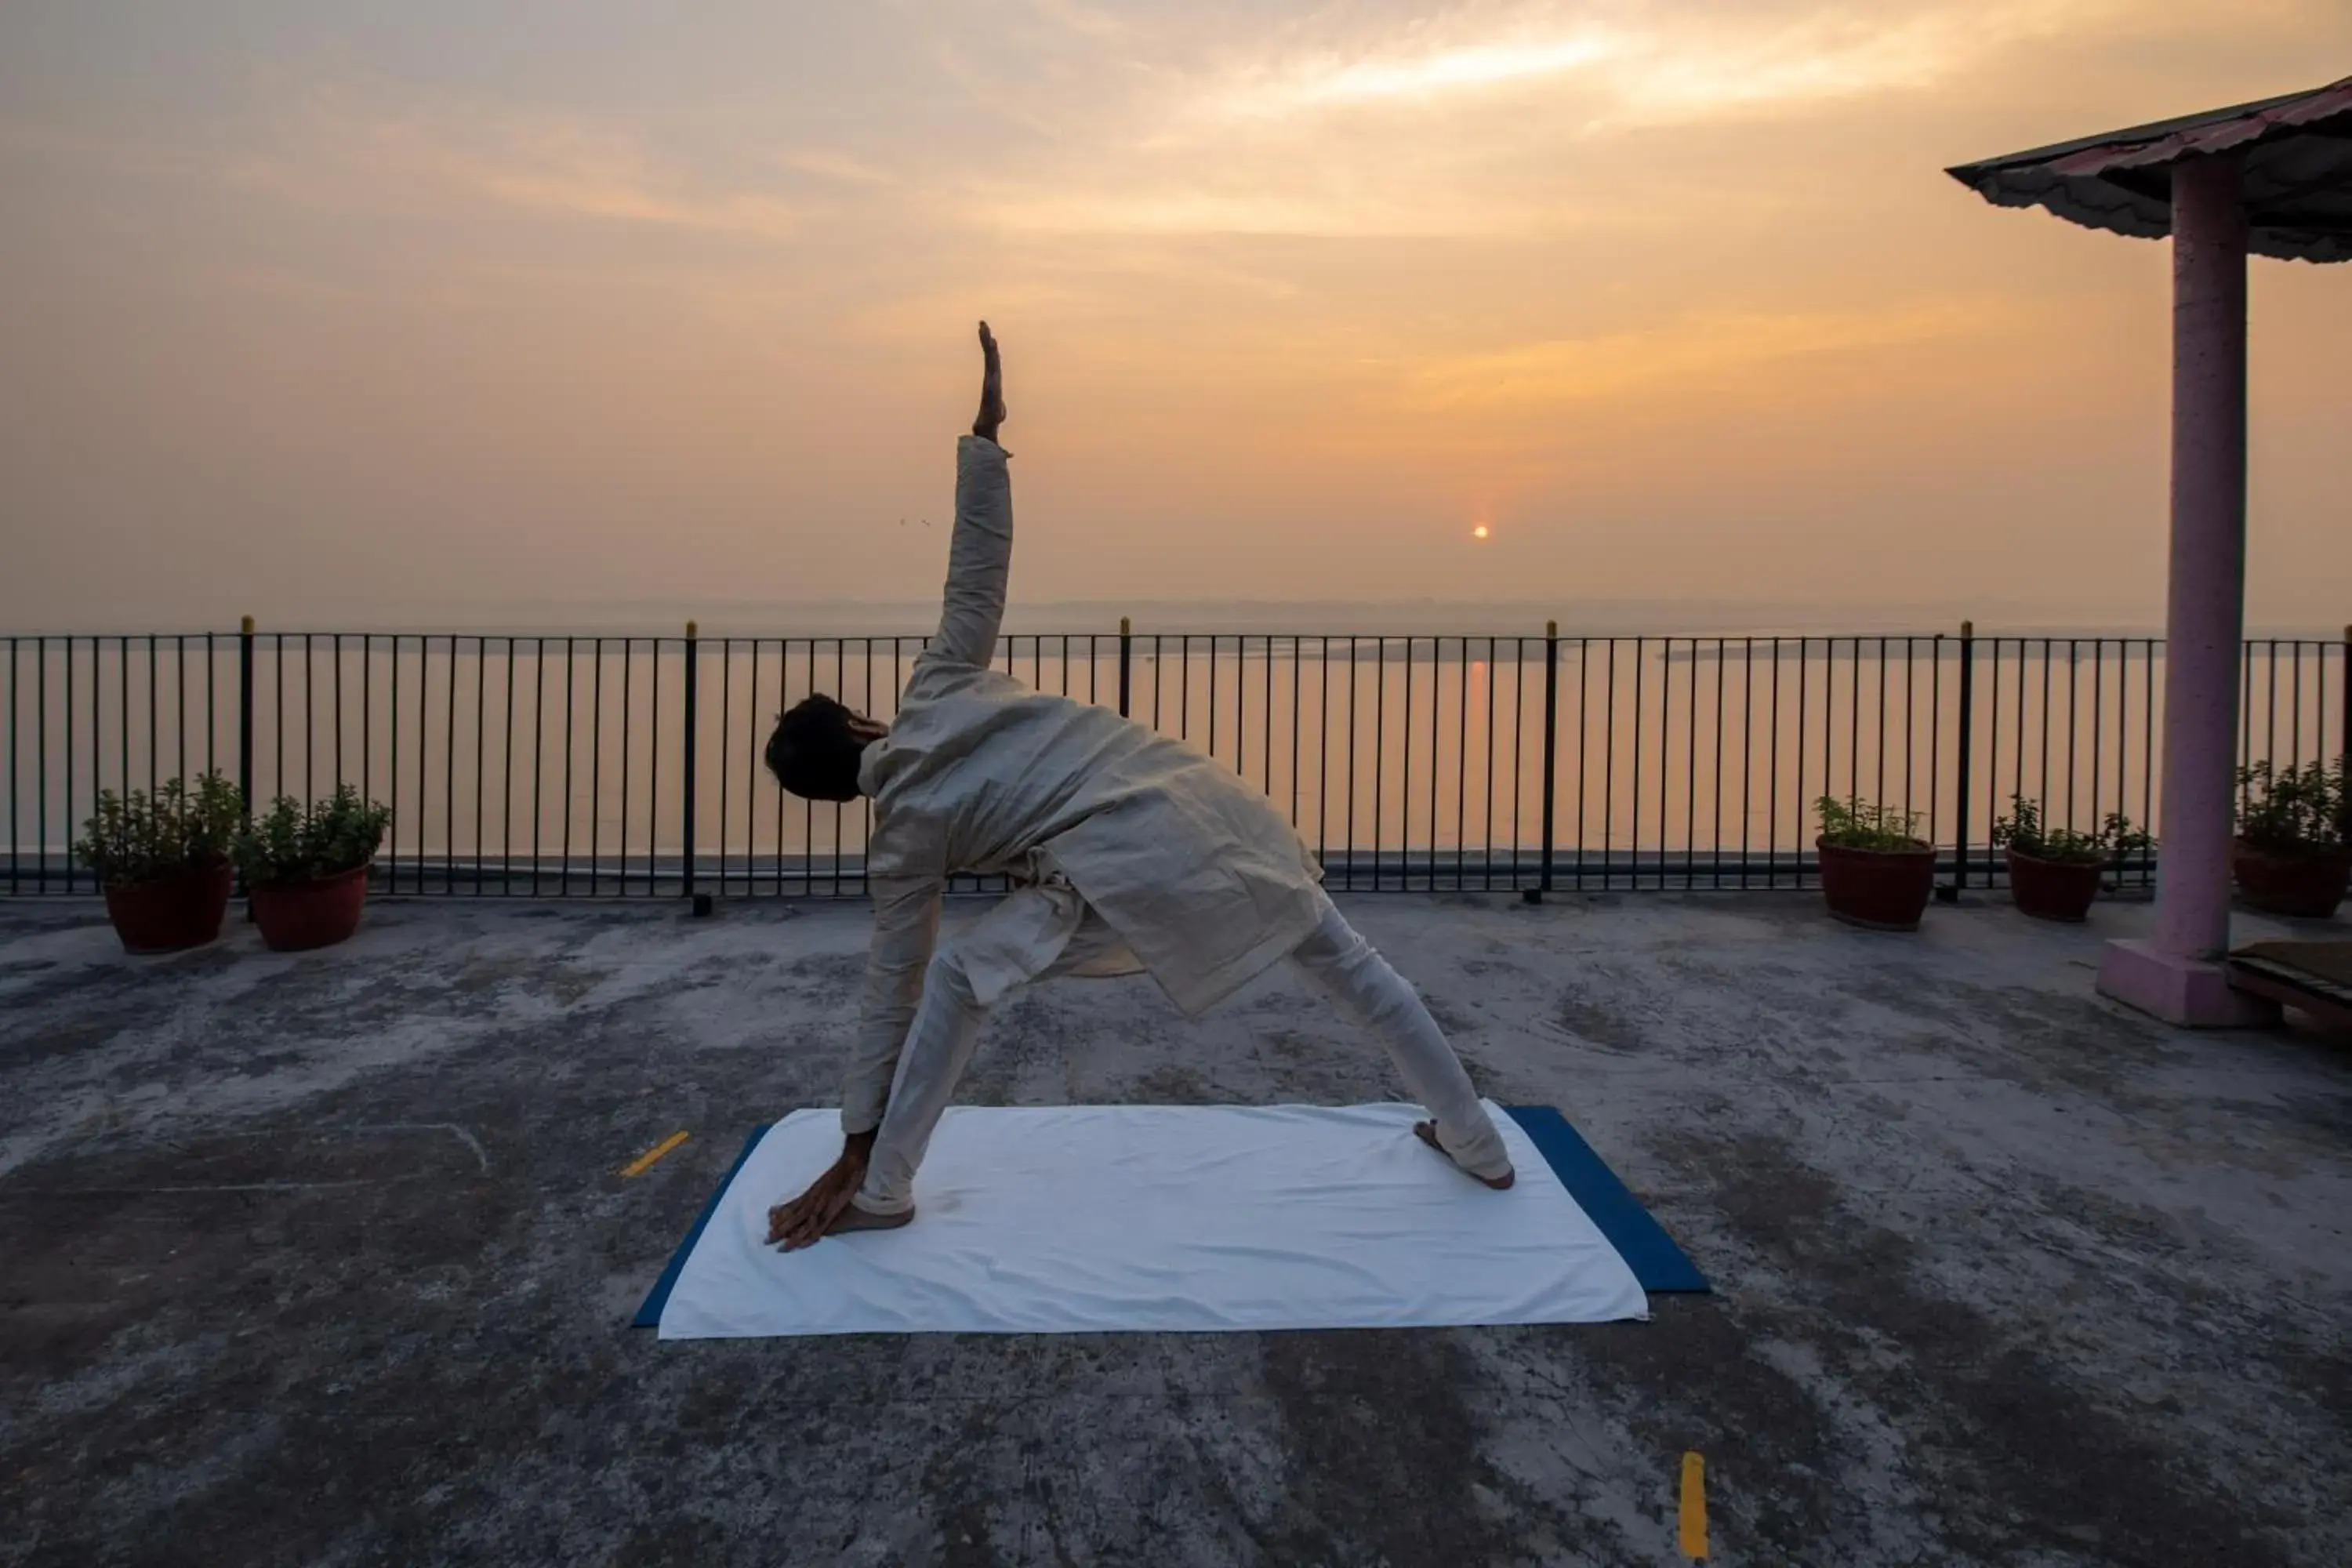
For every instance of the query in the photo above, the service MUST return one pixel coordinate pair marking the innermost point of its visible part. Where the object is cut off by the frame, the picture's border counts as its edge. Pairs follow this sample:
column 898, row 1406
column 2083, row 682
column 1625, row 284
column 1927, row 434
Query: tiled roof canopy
column 2296, row 154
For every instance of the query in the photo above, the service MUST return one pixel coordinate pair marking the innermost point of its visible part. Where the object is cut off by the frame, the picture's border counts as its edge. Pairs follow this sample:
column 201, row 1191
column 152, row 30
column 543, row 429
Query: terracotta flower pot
column 297, row 916
column 2053, row 889
column 2309, row 885
column 172, row 913
column 1881, row 889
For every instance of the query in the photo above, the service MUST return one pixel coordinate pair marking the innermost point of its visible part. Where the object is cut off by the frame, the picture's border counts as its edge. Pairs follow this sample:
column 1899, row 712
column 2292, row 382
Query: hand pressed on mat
column 826, row 1209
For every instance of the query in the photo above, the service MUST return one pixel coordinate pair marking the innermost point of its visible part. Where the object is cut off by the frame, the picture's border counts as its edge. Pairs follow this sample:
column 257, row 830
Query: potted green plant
column 306, row 868
column 2294, row 849
column 2054, row 872
column 163, row 860
column 1876, row 871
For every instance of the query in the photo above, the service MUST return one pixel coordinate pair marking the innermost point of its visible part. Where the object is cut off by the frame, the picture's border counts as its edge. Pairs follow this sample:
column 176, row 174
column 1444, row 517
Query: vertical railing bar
column 1266, row 745
column 2270, row 702
column 1910, row 680
column 841, row 685
column 2148, row 753
column 180, row 717
column 784, row 692
column 1747, row 752
column 1714, row 825
column 41, row 761
column 2098, row 729
column 1487, row 831
column 1212, row 747
column 1690, row 773
column 808, row 808
column 570, row 718
column 866, row 807
column 450, row 769
column 71, row 857
column 653, row 768
column 1323, row 753
column 1881, row 784
column 336, row 658
column 122, row 710
column 1608, row 771
column 1518, row 731
column 2294, row 720
column 1936, row 758
column 537, row 756
column 506, row 779
column 309, row 721
column 1379, row 750
column 753, row 795
column 1548, row 839
column 1854, row 714
column 1297, row 723
column 725, row 723
column 628, row 686
column 1633, row 847
column 1583, row 718
column 156, row 701
column 2073, row 681
column 1352, row 674
column 1461, row 755
column 1804, row 679
column 1184, row 688
column 481, row 762
column 16, row 786
column 2019, row 784
column 278, row 720
column 2246, row 705
column 1992, row 762
column 392, row 843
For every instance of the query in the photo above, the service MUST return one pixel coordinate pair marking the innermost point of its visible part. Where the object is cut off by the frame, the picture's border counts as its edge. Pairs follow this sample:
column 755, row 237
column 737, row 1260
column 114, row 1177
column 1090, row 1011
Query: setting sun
column 1479, row 531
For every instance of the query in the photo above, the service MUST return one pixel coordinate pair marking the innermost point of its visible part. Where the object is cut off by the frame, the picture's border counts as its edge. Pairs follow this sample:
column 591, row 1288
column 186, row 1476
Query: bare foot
column 1427, row 1132
column 856, row 1218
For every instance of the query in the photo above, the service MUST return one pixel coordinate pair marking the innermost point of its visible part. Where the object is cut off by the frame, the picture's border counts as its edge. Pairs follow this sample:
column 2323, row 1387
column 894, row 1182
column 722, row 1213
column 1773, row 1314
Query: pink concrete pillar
column 2175, row 976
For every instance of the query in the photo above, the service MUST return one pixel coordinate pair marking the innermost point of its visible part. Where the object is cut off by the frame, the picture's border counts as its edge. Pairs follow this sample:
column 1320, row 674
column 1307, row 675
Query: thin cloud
column 547, row 165
column 1657, row 69
column 1696, row 352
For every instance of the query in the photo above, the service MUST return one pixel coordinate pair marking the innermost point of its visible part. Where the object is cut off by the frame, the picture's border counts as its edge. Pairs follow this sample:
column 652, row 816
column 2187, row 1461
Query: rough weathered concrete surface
column 324, row 1258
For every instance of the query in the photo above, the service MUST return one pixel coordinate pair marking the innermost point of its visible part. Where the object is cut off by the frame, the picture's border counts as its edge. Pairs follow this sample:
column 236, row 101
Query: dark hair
column 814, row 750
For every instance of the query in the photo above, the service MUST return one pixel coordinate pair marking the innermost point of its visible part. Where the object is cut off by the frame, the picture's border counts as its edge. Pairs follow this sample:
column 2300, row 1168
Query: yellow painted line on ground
column 1694, row 1521
column 644, row 1162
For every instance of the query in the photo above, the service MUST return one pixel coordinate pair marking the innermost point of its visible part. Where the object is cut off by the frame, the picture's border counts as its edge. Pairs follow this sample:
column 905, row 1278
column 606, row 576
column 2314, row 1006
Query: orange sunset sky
column 353, row 314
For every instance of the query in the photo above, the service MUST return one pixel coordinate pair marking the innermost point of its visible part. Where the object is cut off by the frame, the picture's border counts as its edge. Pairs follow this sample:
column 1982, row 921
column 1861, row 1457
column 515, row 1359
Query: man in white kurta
column 1127, row 850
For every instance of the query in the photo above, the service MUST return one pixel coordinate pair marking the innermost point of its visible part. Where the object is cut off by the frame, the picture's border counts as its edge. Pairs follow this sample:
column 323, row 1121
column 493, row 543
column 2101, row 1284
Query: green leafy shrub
column 294, row 843
column 2023, row 831
column 1856, row 823
column 142, row 838
column 2293, row 811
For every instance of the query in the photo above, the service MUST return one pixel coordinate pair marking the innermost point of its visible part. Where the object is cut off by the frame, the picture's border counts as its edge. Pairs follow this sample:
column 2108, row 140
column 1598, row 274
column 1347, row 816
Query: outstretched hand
column 992, row 386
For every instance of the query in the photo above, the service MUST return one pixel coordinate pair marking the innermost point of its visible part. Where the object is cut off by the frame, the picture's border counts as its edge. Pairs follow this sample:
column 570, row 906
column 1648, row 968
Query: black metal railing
column 554, row 766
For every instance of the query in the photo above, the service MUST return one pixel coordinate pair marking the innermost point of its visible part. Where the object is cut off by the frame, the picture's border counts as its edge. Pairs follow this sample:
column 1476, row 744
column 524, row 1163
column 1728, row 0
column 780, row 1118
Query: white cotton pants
column 1334, row 957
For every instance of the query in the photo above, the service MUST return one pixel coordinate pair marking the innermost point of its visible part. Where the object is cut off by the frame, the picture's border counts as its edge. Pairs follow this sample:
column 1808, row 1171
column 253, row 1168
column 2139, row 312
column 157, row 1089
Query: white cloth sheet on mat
column 1096, row 1218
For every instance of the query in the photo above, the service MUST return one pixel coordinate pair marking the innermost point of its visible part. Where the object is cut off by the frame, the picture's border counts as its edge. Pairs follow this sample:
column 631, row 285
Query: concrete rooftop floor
column 324, row 1258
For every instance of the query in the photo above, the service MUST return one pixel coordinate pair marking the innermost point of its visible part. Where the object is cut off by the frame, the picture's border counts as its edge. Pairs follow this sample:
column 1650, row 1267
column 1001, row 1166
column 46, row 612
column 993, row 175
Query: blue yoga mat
column 1640, row 1240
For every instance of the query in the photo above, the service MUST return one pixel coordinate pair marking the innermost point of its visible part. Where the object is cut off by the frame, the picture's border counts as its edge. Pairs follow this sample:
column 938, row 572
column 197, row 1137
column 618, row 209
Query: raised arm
column 979, row 557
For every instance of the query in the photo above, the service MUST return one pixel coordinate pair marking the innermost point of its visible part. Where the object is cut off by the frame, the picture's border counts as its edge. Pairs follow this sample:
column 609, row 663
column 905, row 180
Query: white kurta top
column 1193, row 869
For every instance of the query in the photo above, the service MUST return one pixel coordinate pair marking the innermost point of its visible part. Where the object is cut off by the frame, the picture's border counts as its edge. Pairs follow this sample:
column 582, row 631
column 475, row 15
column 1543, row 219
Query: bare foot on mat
column 856, row 1218
column 1427, row 1132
